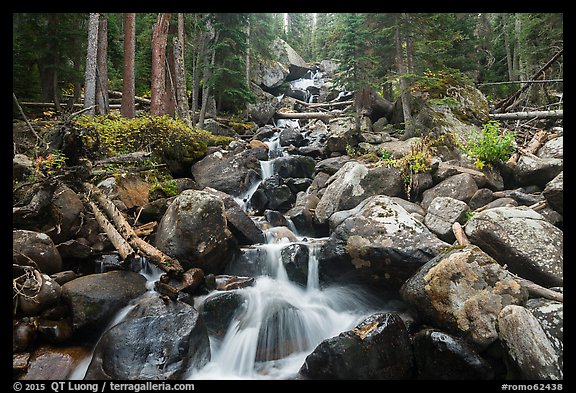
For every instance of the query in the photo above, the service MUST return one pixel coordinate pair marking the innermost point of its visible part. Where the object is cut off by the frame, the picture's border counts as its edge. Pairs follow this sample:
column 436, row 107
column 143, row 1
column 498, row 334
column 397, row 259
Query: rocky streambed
column 302, row 259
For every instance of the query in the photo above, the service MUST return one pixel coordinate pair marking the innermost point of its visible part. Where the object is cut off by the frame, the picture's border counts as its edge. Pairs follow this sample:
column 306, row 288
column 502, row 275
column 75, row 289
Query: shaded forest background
column 221, row 49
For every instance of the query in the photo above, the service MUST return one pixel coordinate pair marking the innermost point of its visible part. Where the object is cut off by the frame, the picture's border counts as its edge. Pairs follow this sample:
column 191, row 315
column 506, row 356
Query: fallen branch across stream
column 324, row 116
column 163, row 261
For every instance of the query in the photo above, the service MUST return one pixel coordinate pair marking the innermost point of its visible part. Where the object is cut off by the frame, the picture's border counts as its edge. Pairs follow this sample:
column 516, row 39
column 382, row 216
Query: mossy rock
column 171, row 141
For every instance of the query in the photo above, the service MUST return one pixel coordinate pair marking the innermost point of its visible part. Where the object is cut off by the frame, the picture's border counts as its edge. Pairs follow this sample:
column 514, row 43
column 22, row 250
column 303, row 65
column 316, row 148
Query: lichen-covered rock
column 441, row 356
column 550, row 314
column 463, row 291
column 262, row 110
column 352, row 184
column 377, row 243
column 377, row 348
column 529, row 350
column 523, row 240
column 341, row 133
column 194, row 231
column 554, row 148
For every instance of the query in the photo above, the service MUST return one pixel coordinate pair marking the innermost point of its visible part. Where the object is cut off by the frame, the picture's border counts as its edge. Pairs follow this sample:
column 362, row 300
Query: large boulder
column 550, row 315
column 523, row 240
column 29, row 247
column 377, row 243
column 286, row 55
column 227, row 171
column 156, row 341
column 530, row 353
column 442, row 213
column 94, row 299
column 463, row 291
column 264, row 108
column 242, row 226
column 533, row 170
column 194, row 231
column 342, row 133
column 377, row 348
column 353, row 183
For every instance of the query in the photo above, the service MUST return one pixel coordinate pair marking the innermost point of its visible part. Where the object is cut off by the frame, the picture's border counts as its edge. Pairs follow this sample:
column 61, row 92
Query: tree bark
column 90, row 73
column 102, row 66
column 158, row 73
column 128, row 108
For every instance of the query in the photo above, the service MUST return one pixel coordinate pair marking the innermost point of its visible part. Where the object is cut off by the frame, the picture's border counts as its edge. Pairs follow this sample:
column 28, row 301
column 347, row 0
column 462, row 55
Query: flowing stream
column 280, row 321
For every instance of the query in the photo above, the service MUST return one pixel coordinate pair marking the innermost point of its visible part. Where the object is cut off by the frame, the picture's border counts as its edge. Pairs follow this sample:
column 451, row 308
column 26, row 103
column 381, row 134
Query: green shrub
column 491, row 146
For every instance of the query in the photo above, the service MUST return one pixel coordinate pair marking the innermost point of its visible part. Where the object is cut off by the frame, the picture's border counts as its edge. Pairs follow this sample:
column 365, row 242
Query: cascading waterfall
column 281, row 321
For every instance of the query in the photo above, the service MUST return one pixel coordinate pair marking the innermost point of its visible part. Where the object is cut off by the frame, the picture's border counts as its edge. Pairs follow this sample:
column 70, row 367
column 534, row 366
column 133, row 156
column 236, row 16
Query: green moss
column 167, row 138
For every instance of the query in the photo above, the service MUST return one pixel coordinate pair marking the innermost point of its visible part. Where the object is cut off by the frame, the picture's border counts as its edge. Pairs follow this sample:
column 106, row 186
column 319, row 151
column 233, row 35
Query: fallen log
column 163, row 261
column 329, row 104
column 125, row 158
column 305, row 115
column 124, row 249
column 118, row 94
column 555, row 114
column 535, row 143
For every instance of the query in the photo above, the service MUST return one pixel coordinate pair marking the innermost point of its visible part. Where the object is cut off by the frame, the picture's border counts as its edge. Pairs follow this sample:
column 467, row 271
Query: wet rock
column 73, row 249
column 461, row 187
column 463, row 291
column 94, row 299
column 30, row 247
column 522, row 239
column 55, row 363
column 228, row 172
column 55, row 332
column 37, row 296
column 554, row 193
column 154, row 210
column 294, row 166
column 275, row 218
column 194, row 231
column 442, row 213
column 273, row 194
column 23, row 335
column 218, row 310
column 295, row 261
column 156, row 341
column 530, row 352
column 352, row 184
column 377, row 243
column 377, row 348
column 290, row 136
column 441, row 356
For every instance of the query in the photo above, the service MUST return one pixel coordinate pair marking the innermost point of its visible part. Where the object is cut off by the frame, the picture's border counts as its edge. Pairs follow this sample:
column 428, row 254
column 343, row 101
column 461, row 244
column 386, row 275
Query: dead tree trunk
column 102, row 67
column 90, row 74
column 555, row 114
